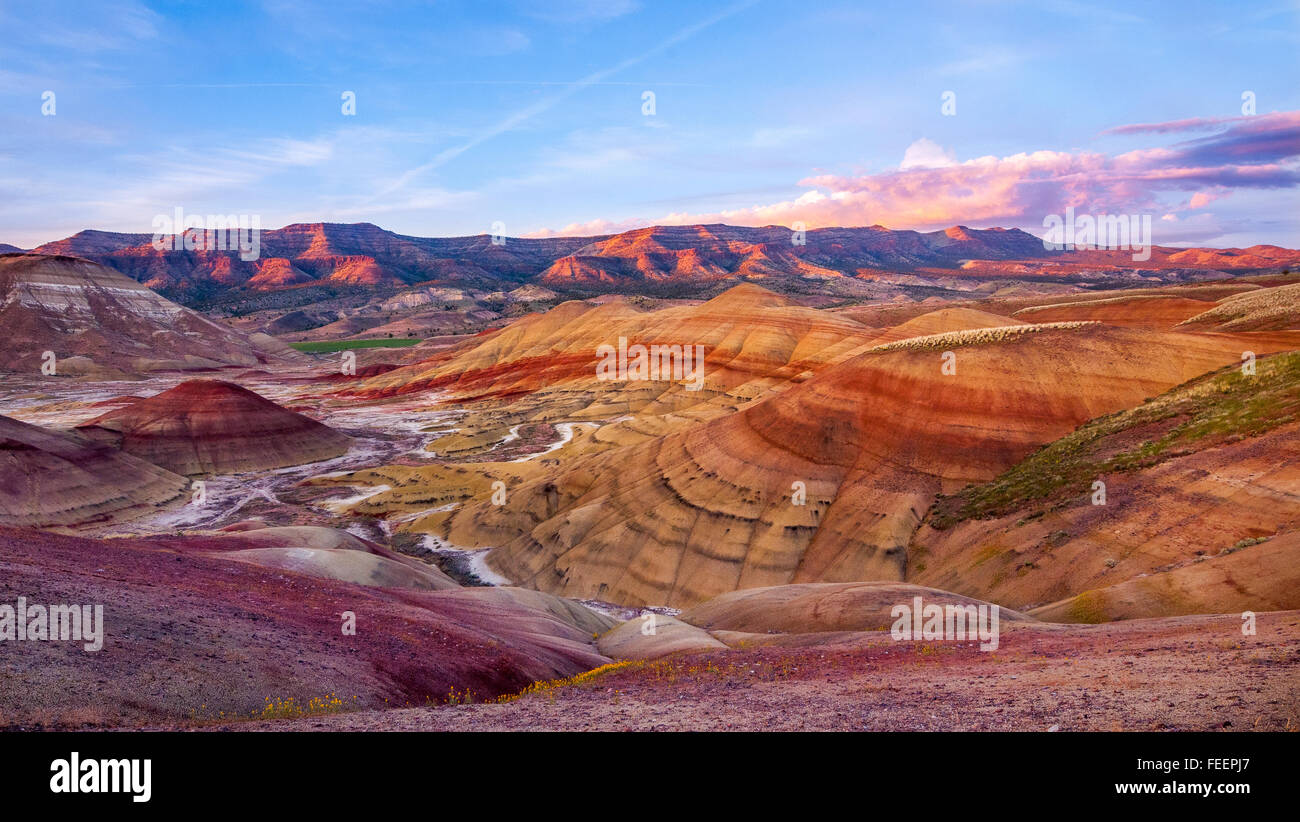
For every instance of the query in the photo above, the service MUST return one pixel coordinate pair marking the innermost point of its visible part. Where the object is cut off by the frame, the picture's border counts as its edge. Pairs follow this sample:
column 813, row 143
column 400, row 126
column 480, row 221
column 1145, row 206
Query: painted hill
column 1198, row 480
column 943, row 321
column 51, row 479
column 812, row 608
column 332, row 554
column 97, row 321
column 1258, row 577
column 702, row 506
column 787, row 616
column 194, row 634
column 1133, row 311
column 748, row 333
column 214, row 427
column 1266, row 309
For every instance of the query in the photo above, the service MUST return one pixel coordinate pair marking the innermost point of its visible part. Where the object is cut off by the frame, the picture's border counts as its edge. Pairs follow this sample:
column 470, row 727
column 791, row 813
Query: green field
column 329, row 346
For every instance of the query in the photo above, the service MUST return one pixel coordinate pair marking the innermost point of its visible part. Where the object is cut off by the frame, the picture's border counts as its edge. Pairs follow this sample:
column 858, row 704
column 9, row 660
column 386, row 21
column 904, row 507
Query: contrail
column 544, row 105
column 404, row 84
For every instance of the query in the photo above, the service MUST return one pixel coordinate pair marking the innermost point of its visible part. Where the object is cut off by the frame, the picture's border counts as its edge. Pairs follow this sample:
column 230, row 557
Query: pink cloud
column 1261, row 152
column 591, row 228
column 1203, row 198
column 1190, row 124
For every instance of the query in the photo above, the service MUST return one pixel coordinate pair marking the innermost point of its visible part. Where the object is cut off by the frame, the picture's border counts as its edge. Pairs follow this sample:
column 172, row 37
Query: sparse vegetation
column 549, row 686
column 280, row 708
column 1123, row 298
column 290, row 708
column 1223, row 406
column 977, row 336
column 1264, row 309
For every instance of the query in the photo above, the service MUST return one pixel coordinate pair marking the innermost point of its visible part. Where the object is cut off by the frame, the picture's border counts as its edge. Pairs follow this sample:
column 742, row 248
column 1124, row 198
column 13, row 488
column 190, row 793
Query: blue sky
column 531, row 114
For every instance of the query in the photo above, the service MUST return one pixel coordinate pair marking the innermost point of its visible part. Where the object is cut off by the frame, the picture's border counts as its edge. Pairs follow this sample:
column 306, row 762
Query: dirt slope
column 54, row 479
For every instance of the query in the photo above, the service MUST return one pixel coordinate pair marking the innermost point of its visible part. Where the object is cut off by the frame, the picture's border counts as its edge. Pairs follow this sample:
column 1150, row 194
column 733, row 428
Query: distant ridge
column 653, row 260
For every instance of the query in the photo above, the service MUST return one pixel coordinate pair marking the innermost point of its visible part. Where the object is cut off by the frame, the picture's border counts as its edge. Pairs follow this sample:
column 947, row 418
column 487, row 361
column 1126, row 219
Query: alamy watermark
column 77, row 775
column 1125, row 232
column 652, row 362
column 53, row 623
column 195, row 232
column 951, row 622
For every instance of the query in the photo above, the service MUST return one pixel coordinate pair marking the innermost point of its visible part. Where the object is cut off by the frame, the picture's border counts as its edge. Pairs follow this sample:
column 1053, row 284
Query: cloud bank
column 931, row 189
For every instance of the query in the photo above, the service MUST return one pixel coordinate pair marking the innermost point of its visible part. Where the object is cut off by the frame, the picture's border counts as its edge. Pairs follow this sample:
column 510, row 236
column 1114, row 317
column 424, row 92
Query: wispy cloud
column 779, row 136
column 1189, row 124
column 578, row 11
column 1094, row 13
column 95, row 27
column 989, row 58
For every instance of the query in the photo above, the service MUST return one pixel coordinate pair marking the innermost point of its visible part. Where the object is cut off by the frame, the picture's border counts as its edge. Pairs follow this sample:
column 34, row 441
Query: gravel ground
column 1179, row 674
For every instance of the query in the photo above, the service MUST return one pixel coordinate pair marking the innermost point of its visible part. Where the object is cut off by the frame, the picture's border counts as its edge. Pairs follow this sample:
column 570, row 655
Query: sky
column 533, row 119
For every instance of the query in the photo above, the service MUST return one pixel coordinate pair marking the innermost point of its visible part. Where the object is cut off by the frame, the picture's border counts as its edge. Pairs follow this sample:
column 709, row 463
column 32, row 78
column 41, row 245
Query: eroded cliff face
column 862, row 260
column 108, row 322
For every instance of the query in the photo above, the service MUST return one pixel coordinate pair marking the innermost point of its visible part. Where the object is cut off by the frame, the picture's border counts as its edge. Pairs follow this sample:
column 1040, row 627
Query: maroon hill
column 215, row 427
